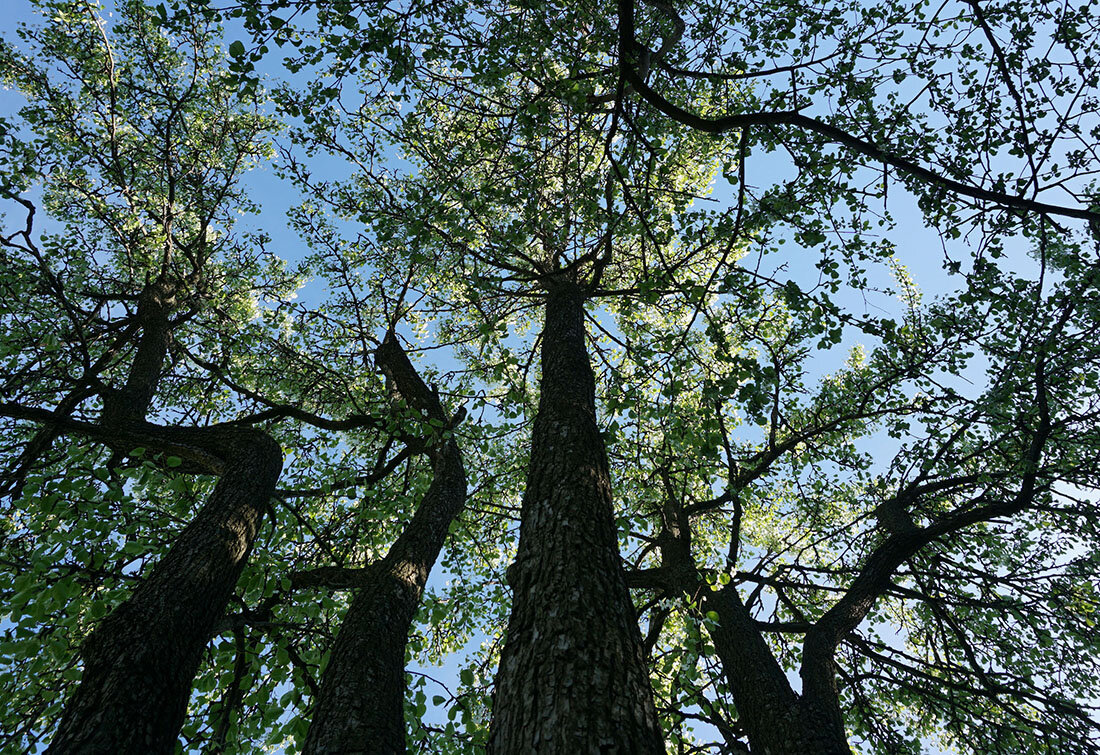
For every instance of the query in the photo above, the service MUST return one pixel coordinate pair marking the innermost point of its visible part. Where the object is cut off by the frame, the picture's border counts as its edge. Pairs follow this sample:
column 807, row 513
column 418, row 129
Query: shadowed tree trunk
column 776, row 720
column 140, row 661
column 360, row 708
column 572, row 676
column 131, row 402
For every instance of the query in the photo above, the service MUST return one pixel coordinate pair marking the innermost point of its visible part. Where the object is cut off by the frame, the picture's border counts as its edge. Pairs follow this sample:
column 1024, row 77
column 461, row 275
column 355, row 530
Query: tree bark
column 360, row 708
column 131, row 402
column 572, row 676
column 140, row 661
column 775, row 719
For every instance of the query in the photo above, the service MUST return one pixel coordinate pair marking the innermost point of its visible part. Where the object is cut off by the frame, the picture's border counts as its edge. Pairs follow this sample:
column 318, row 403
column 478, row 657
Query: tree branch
column 628, row 43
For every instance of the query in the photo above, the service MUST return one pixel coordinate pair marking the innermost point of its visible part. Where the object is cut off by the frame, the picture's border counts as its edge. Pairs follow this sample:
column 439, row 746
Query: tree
column 146, row 199
column 360, row 705
column 144, row 296
column 911, row 532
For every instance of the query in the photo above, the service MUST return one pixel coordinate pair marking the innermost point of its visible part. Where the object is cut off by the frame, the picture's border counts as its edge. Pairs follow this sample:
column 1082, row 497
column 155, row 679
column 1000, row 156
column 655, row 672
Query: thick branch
column 628, row 43
column 331, row 577
column 205, row 450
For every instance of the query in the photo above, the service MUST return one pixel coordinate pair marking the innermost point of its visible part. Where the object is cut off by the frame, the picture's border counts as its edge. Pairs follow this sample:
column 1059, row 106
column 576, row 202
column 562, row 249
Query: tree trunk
column 775, row 719
column 360, row 708
column 572, row 676
column 131, row 402
column 140, row 661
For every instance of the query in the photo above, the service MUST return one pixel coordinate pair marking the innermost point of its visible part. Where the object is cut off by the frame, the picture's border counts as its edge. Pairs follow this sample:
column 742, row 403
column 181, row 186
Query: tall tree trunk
column 572, row 676
column 360, row 708
column 140, row 661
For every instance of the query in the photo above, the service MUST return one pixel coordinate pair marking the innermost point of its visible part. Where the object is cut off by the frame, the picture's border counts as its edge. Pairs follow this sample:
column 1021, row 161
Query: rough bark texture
column 572, row 676
column 140, row 661
column 361, row 705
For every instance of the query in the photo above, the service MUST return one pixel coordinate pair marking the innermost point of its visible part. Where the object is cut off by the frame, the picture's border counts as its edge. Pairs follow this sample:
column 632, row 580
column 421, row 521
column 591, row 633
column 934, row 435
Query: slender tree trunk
column 131, row 402
column 360, row 708
column 140, row 661
column 572, row 676
column 775, row 719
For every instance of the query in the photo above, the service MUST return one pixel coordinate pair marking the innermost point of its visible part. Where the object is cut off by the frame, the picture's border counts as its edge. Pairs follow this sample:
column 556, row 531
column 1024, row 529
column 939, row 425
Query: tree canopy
column 625, row 377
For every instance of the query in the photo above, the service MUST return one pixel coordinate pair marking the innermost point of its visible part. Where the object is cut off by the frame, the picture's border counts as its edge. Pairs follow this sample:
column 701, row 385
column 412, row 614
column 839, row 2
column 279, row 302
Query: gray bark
column 572, row 676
